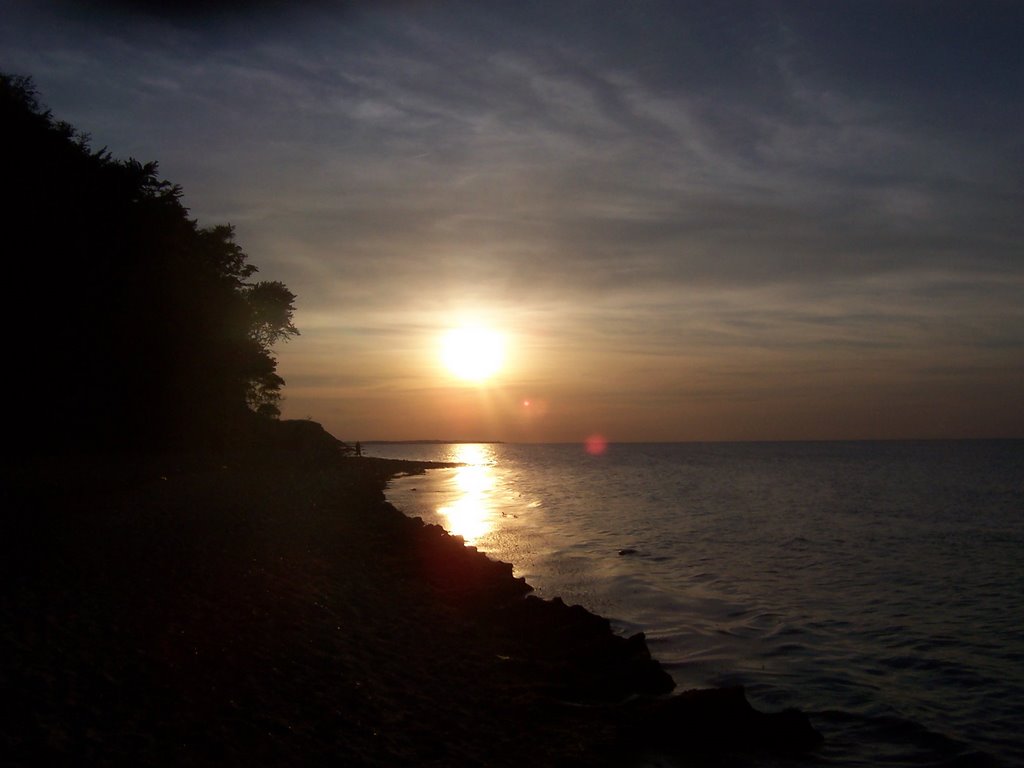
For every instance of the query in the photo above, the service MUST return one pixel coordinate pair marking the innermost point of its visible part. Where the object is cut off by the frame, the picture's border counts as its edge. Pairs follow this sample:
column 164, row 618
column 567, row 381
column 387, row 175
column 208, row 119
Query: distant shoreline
column 432, row 442
column 782, row 441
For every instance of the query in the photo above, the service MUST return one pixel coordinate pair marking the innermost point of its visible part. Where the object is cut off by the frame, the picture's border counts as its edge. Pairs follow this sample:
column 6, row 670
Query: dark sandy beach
column 266, row 613
column 278, row 611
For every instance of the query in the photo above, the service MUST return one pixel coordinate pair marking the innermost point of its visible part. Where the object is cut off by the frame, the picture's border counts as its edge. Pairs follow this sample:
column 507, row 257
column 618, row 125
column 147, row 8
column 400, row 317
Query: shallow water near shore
column 879, row 587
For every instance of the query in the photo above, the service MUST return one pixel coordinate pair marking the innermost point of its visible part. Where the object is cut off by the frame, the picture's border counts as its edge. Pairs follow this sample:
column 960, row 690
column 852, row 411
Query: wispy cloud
column 668, row 182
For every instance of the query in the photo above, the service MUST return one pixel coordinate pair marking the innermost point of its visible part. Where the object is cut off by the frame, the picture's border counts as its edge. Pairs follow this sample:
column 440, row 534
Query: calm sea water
column 879, row 587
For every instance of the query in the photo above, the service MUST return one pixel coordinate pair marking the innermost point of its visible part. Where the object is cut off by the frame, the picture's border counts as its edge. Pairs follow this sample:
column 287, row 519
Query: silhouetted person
column 359, row 448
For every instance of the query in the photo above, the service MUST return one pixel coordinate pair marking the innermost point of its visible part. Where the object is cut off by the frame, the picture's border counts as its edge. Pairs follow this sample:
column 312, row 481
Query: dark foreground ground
column 272, row 611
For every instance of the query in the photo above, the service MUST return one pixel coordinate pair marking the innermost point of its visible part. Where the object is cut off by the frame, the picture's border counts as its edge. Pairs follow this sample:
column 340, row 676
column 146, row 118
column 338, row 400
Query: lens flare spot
column 596, row 444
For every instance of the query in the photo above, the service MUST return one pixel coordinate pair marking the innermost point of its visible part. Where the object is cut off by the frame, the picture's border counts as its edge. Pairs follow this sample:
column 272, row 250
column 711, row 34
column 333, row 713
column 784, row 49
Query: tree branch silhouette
column 140, row 327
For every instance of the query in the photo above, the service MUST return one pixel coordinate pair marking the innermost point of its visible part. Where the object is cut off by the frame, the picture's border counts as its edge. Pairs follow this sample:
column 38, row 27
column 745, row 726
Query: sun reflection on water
column 471, row 514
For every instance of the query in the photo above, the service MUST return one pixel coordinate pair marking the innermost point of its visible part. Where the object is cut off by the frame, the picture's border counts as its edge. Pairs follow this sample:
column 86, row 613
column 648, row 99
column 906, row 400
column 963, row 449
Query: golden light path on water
column 471, row 514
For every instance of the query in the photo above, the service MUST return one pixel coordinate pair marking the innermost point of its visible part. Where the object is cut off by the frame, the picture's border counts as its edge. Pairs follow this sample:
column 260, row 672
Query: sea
column 876, row 586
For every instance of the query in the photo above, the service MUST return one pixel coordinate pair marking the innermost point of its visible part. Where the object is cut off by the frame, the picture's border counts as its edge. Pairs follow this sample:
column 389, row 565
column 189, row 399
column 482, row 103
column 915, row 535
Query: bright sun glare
column 473, row 353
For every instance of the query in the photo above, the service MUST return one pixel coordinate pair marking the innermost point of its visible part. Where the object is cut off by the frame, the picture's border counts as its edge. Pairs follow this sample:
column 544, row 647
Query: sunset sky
column 689, row 220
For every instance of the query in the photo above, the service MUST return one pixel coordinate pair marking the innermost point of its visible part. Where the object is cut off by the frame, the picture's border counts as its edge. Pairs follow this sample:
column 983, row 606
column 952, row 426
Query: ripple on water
column 879, row 586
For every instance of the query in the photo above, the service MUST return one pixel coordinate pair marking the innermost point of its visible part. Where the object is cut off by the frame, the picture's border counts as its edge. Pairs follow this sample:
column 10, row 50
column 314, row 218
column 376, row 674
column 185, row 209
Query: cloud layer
column 756, row 220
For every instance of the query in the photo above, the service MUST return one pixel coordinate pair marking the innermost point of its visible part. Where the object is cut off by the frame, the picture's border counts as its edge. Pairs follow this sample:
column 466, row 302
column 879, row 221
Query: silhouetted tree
column 137, row 327
column 271, row 305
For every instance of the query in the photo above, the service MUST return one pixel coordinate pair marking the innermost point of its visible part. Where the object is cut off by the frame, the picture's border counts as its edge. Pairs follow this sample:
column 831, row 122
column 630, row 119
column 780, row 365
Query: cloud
column 668, row 182
column 430, row 139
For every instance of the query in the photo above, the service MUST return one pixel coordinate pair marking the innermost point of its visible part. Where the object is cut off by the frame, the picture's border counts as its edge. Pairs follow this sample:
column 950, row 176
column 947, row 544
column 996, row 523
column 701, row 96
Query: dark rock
column 720, row 720
column 627, row 552
column 301, row 440
column 588, row 661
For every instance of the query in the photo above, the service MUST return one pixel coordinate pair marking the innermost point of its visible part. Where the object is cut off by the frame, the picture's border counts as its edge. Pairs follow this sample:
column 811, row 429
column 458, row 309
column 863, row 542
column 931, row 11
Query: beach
column 276, row 610
column 272, row 613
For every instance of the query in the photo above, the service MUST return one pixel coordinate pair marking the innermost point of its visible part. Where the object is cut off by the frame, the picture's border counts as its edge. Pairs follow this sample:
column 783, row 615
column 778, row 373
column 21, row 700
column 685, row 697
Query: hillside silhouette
column 132, row 327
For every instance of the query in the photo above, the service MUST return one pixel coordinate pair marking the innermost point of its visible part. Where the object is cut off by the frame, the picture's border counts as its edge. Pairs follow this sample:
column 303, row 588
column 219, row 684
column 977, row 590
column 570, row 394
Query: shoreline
column 277, row 609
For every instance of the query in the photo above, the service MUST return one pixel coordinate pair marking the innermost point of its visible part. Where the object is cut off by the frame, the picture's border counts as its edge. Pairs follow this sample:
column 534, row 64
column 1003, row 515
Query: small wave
column 891, row 740
column 786, row 649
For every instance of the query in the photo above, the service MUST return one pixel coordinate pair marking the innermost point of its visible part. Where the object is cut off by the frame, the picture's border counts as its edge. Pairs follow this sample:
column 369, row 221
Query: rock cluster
column 717, row 720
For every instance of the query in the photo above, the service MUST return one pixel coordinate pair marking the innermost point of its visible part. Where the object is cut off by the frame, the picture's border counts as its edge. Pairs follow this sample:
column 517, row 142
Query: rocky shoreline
column 275, row 609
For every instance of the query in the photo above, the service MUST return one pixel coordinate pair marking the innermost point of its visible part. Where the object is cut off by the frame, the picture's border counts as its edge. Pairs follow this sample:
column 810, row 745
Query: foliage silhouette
column 134, row 326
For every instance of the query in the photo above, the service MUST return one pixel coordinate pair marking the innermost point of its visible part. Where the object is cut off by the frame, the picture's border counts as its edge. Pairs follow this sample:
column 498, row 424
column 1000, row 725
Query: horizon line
column 698, row 441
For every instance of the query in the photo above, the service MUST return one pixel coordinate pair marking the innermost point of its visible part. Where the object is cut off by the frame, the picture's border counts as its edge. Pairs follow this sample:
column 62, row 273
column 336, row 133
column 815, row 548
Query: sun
column 473, row 353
